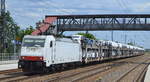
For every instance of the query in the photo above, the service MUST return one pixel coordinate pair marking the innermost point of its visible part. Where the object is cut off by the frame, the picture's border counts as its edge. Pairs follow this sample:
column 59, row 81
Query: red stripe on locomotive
column 32, row 58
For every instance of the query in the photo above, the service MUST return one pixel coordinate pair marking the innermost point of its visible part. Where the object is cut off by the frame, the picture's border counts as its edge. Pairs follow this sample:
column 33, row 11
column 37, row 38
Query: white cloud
column 46, row 4
column 142, row 7
column 66, row 11
column 32, row 14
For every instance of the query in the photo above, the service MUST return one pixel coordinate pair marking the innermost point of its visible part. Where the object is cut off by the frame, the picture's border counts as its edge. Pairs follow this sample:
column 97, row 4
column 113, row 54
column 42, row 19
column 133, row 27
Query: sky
column 27, row 12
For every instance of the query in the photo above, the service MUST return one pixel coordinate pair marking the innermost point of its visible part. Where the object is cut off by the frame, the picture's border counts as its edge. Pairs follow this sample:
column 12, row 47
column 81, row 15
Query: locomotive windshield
column 33, row 42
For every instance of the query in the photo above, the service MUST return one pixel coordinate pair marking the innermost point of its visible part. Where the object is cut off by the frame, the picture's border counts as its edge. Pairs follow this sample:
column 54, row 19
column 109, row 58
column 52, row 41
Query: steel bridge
column 60, row 23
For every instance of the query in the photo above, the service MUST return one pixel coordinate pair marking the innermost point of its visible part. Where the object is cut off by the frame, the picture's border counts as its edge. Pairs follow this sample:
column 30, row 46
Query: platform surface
column 147, row 76
column 7, row 65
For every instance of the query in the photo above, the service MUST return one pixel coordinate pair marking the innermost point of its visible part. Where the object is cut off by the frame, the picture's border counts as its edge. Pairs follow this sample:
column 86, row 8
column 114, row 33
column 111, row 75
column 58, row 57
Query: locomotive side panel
column 66, row 52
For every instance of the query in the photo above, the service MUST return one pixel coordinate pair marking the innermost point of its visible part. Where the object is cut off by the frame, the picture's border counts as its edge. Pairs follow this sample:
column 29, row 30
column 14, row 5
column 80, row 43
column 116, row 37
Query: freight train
column 47, row 52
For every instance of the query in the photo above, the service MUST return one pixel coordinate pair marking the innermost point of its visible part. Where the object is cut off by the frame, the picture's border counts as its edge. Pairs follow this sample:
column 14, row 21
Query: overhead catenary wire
column 122, row 5
column 124, row 2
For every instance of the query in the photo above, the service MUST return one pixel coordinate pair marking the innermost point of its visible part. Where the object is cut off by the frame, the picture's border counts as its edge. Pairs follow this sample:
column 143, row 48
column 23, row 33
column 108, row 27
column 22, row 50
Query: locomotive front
column 32, row 54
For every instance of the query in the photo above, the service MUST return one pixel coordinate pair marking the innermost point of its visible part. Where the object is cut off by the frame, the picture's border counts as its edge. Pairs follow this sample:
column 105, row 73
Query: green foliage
column 87, row 35
column 11, row 28
column 10, row 31
column 131, row 44
column 24, row 32
column 141, row 46
column 147, row 50
column 14, row 30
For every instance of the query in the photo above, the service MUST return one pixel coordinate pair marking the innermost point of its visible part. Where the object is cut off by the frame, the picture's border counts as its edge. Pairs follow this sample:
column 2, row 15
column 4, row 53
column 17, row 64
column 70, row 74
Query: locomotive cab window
column 33, row 42
column 51, row 43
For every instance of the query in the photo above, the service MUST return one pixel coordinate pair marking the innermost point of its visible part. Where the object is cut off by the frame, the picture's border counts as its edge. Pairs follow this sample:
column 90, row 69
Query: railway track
column 74, row 75
column 66, row 74
column 140, row 77
column 10, row 71
column 84, row 77
column 134, row 71
column 8, row 76
column 14, row 75
column 99, row 76
column 77, row 72
column 82, row 73
column 17, row 77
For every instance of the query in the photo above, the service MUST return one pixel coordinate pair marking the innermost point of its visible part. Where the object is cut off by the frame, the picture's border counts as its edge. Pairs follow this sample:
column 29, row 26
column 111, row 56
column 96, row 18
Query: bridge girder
column 130, row 22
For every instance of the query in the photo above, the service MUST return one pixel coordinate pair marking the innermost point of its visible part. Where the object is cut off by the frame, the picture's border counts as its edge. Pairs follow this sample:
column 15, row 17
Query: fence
column 7, row 58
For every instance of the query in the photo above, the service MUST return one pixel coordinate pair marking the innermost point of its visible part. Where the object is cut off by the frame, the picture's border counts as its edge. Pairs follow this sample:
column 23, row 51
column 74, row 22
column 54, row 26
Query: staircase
column 44, row 26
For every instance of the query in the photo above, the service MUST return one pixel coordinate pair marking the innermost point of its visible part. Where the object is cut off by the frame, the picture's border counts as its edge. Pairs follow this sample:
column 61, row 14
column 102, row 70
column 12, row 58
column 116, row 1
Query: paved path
column 147, row 76
column 8, row 66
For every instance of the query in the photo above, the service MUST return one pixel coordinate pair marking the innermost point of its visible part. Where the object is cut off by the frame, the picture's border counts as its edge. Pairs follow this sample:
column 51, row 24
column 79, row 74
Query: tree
column 131, row 44
column 26, row 31
column 87, row 35
column 10, row 31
